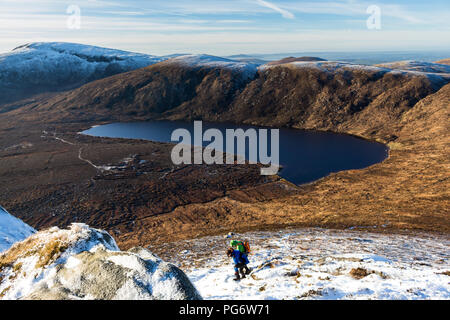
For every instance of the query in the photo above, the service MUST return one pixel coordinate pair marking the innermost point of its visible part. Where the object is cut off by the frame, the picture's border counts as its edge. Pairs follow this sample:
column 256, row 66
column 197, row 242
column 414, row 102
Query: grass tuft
column 50, row 252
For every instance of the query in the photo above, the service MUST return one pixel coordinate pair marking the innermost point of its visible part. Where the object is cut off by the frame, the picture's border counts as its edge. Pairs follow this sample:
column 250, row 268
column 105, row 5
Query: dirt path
column 80, row 150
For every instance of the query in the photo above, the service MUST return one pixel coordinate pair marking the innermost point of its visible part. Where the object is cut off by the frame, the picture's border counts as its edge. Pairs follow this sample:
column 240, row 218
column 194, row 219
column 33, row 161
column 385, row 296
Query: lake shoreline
column 319, row 146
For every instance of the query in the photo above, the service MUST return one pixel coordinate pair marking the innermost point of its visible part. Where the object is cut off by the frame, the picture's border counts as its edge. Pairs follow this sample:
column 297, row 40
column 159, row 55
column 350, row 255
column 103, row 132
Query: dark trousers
column 241, row 268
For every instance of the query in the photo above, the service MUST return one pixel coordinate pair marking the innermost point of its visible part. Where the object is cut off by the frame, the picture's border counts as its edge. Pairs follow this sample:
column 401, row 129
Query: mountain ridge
column 295, row 94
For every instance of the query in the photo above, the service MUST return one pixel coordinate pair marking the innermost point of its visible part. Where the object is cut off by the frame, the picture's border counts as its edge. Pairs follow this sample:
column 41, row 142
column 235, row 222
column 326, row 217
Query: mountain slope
column 12, row 230
column 191, row 82
column 319, row 264
column 48, row 67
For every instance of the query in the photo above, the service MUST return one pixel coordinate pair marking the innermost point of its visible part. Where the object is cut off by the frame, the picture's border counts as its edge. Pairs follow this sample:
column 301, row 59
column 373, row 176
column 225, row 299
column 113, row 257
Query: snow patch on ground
column 318, row 264
column 12, row 230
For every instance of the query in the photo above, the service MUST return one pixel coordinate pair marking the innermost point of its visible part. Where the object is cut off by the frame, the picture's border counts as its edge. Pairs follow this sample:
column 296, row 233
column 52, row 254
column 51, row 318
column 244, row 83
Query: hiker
column 239, row 264
column 244, row 249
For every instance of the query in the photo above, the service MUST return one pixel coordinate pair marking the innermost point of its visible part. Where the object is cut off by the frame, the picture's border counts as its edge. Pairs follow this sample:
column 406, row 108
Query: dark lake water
column 304, row 155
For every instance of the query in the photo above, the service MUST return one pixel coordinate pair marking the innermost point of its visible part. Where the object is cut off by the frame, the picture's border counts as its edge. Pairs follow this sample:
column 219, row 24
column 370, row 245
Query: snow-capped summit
column 12, row 230
column 405, row 66
column 87, row 52
column 420, row 66
column 436, row 73
column 322, row 65
column 248, row 70
column 53, row 66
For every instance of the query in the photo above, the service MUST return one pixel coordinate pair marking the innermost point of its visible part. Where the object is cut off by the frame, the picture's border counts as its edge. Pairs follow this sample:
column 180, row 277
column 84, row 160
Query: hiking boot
column 236, row 277
column 247, row 270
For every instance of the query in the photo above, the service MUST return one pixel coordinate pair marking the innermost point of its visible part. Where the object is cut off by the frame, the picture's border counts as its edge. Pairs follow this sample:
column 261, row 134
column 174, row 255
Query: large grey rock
column 85, row 263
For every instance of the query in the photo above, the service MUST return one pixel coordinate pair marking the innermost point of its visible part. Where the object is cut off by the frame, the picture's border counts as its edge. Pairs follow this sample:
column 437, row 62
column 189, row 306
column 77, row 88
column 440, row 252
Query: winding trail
column 100, row 168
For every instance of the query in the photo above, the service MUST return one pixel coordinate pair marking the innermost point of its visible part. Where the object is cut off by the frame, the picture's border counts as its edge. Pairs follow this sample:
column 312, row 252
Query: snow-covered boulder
column 53, row 66
column 85, row 263
column 12, row 230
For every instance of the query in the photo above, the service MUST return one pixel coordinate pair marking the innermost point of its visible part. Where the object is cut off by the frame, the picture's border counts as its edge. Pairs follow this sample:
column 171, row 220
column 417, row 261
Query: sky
column 226, row 27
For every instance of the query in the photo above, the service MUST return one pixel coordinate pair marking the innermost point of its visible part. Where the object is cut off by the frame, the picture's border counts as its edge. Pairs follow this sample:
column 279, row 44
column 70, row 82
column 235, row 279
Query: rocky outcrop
column 85, row 263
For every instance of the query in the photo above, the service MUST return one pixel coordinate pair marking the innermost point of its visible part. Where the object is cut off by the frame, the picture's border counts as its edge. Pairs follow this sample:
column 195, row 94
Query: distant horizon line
column 253, row 54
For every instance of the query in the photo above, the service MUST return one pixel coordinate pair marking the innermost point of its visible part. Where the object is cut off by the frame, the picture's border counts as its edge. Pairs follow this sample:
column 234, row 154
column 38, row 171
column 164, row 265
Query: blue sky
column 230, row 26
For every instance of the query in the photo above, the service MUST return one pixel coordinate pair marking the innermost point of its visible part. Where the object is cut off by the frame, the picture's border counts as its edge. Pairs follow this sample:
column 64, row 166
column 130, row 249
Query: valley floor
column 319, row 264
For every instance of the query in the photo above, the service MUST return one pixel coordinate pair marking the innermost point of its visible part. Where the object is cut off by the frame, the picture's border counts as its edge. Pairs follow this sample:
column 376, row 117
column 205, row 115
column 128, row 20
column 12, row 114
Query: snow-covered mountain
column 85, row 263
column 48, row 67
column 12, row 230
column 55, row 66
column 420, row 66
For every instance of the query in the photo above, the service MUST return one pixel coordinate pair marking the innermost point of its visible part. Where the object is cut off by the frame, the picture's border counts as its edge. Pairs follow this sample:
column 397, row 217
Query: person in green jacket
column 239, row 245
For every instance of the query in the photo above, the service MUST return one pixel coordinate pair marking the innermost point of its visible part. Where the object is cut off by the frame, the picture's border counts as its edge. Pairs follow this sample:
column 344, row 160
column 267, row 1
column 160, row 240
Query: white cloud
column 286, row 14
column 353, row 8
column 57, row 23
